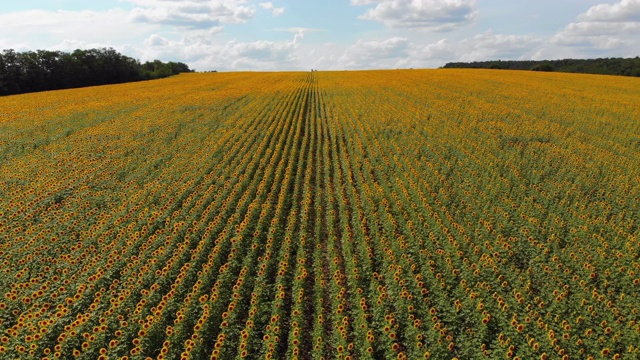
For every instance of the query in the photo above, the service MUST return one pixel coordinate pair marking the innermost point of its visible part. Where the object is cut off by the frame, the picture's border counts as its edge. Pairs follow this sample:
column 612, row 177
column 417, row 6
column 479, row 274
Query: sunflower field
column 404, row 214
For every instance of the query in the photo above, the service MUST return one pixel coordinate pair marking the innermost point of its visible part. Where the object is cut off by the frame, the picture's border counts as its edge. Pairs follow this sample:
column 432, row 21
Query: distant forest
column 606, row 66
column 23, row 72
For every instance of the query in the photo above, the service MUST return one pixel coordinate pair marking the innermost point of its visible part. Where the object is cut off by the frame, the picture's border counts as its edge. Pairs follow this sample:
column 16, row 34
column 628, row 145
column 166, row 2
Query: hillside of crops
column 404, row 214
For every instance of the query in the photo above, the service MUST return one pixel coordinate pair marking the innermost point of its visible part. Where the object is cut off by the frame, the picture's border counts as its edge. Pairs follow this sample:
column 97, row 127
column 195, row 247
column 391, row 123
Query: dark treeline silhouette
column 23, row 72
column 605, row 66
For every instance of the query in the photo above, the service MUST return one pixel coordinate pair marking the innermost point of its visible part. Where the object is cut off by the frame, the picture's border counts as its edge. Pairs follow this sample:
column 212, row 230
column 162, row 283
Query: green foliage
column 51, row 70
column 545, row 66
column 605, row 66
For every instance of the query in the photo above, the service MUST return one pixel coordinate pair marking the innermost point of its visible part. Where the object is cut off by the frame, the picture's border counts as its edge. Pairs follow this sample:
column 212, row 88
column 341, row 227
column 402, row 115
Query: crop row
column 364, row 215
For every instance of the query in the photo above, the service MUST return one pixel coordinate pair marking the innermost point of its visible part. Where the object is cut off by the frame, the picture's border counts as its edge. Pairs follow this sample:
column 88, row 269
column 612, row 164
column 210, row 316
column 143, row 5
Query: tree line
column 604, row 66
column 30, row 71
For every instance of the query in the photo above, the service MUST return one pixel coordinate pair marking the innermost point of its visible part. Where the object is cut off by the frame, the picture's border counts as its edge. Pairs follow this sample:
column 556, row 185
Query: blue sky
column 329, row 34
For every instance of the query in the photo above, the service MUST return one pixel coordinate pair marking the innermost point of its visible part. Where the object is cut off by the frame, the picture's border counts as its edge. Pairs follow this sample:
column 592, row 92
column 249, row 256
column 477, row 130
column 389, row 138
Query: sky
column 235, row 35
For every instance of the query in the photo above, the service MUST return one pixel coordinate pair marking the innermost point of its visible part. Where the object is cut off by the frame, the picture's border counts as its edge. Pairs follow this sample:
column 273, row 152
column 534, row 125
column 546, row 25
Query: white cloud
column 274, row 10
column 363, row 54
column 490, row 46
column 203, row 53
column 19, row 47
column 156, row 40
column 374, row 54
column 613, row 29
column 390, row 47
column 40, row 29
column 429, row 55
column 437, row 15
column 299, row 29
column 399, row 52
column 201, row 46
column 191, row 14
column 622, row 11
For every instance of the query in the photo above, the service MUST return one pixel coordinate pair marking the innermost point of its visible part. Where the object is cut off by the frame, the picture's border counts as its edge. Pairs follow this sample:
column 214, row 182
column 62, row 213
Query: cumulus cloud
column 142, row 33
column 489, row 46
column 399, row 52
column 17, row 46
column 40, row 28
column 191, row 14
column 611, row 28
column 374, row 54
column 621, row 11
column 391, row 47
column 363, row 54
column 437, row 15
column 428, row 55
column 256, row 55
column 156, row 40
column 203, row 52
column 275, row 11
column 440, row 50
column 299, row 29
